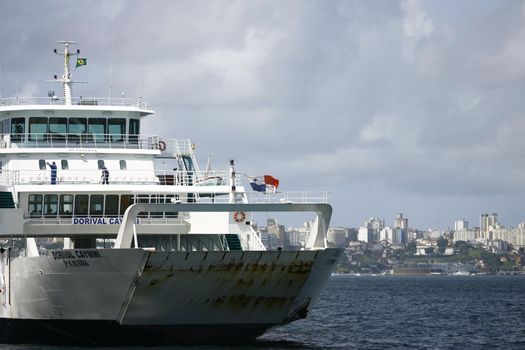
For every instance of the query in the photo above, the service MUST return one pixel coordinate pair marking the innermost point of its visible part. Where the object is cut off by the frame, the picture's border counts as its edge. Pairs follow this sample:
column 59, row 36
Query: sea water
column 395, row 312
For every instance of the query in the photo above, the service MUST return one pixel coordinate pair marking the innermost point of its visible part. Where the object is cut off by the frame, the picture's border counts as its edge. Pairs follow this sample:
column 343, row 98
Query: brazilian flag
column 81, row 61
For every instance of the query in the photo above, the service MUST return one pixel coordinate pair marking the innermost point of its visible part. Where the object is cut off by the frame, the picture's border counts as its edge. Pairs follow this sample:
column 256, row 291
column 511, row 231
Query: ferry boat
column 155, row 251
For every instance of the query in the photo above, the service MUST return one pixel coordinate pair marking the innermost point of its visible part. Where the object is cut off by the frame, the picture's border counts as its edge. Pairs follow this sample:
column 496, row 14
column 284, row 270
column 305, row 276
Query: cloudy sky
column 393, row 106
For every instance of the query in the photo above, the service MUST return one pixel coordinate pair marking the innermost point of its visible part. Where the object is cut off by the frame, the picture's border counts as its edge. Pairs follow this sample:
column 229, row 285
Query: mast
column 232, row 182
column 67, row 82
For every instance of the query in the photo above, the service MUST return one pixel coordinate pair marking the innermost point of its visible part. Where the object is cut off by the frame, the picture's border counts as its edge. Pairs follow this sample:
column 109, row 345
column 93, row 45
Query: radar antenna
column 66, row 80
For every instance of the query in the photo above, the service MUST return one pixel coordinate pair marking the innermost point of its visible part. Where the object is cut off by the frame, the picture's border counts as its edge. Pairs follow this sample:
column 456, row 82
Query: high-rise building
column 401, row 222
column 273, row 227
column 336, row 236
column 369, row 232
column 294, row 239
column 493, row 219
column 488, row 223
column 460, row 224
column 520, row 236
column 386, row 235
column 484, row 222
column 400, row 231
column 365, row 234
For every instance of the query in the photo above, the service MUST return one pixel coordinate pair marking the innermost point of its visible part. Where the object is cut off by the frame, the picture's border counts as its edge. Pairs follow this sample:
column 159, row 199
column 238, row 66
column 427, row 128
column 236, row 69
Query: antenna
column 66, row 80
column 1, row 95
column 110, row 74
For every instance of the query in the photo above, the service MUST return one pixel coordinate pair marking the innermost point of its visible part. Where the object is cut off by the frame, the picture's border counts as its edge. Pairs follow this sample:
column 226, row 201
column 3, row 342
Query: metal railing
column 78, row 101
column 147, row 219
column 195, row 178
column 87, row 140
column 276, row 198
column 73, row 140
column 94, row 177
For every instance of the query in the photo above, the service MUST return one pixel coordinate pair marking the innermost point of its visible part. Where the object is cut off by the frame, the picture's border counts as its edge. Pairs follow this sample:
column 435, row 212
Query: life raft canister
column 162, row 146
column 239, row 216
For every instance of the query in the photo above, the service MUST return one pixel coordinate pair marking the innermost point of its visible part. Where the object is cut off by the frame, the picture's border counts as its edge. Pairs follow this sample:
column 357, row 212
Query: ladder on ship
column 183, row 150
column 234, row 243
column 6, row 200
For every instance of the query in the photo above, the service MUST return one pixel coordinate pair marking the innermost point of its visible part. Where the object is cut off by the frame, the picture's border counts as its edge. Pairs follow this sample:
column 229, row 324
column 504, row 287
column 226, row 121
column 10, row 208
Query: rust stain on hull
column 243, row 287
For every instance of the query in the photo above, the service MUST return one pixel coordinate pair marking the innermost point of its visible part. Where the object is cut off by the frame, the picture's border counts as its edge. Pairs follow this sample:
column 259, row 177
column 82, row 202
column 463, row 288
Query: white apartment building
column 460, row 224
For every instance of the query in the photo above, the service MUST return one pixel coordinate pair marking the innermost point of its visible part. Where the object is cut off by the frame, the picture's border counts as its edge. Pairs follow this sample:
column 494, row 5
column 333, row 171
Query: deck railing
column 145, row 219
column 116, row 177
column 54, row 218
column 95, row 141
column 74, row 140
column 277, row 198
column 77, row 101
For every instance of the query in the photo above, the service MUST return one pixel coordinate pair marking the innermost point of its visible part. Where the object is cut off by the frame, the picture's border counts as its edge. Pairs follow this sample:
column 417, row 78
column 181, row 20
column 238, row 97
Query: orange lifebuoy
column 162, row 146
column 239, row 216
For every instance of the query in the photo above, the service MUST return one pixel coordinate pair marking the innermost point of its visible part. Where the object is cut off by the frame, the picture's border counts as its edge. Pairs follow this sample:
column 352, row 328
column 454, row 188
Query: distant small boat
column 461, row 273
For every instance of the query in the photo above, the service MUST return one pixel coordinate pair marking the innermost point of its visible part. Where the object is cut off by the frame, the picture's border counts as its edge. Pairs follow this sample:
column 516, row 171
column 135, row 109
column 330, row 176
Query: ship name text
column 75, row 258
column 97, row 221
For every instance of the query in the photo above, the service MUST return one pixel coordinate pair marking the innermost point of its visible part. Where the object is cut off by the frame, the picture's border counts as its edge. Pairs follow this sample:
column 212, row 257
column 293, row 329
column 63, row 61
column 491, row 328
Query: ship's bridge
column 89, row 123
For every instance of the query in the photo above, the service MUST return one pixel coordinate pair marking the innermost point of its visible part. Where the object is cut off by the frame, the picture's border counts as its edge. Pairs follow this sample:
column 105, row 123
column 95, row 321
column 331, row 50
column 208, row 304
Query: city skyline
column 391, row 106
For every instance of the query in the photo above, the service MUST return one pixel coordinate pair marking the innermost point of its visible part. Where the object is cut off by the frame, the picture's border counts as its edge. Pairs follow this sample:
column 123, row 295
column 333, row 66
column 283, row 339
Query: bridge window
column 100, row 163
column 57, row 129
column 77, row 129
column 112, row 205
column 134, row 131
column 96, row 206
column 123, row 165
column 50, row 205
column 42, row 164
column 18, row 129
column 66, row 205
column 65, row 165
column 37, row 129
column 116, row 129
column 35, row 205
column 81, row 204
column 97, row 129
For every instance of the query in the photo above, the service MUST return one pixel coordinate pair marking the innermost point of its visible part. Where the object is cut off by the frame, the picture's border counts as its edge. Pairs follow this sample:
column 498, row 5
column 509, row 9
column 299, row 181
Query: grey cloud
column 411, row 102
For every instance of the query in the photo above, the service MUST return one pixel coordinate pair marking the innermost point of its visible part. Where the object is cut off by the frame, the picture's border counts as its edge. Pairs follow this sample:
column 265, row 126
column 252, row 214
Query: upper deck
column 108, row 104
column 90, row 123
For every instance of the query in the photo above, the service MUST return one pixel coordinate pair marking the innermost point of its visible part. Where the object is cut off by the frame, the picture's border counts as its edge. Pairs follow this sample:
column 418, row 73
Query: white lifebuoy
column 162, row 146
column 239, row 216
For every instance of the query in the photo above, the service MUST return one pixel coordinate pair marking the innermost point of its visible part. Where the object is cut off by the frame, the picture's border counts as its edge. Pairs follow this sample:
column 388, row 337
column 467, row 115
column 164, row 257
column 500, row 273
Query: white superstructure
column 186, row 261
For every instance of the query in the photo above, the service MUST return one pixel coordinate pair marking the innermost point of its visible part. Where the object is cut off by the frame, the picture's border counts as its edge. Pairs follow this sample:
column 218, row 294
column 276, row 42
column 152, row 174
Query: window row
column 73, row 129
column 94, row 205
column 65, row 165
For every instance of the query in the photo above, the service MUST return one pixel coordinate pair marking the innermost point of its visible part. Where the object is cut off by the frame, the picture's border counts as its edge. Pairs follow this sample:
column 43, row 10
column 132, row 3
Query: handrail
column 76, row 140
column 150, row 219
column 94, row 177
column 78, row 101
column 280, row 197
column 316, row 240
column 91, row 140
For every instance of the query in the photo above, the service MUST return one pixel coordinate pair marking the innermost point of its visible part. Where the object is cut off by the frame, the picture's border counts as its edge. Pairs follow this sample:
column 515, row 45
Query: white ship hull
column 77, row 171
column 135, row 296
